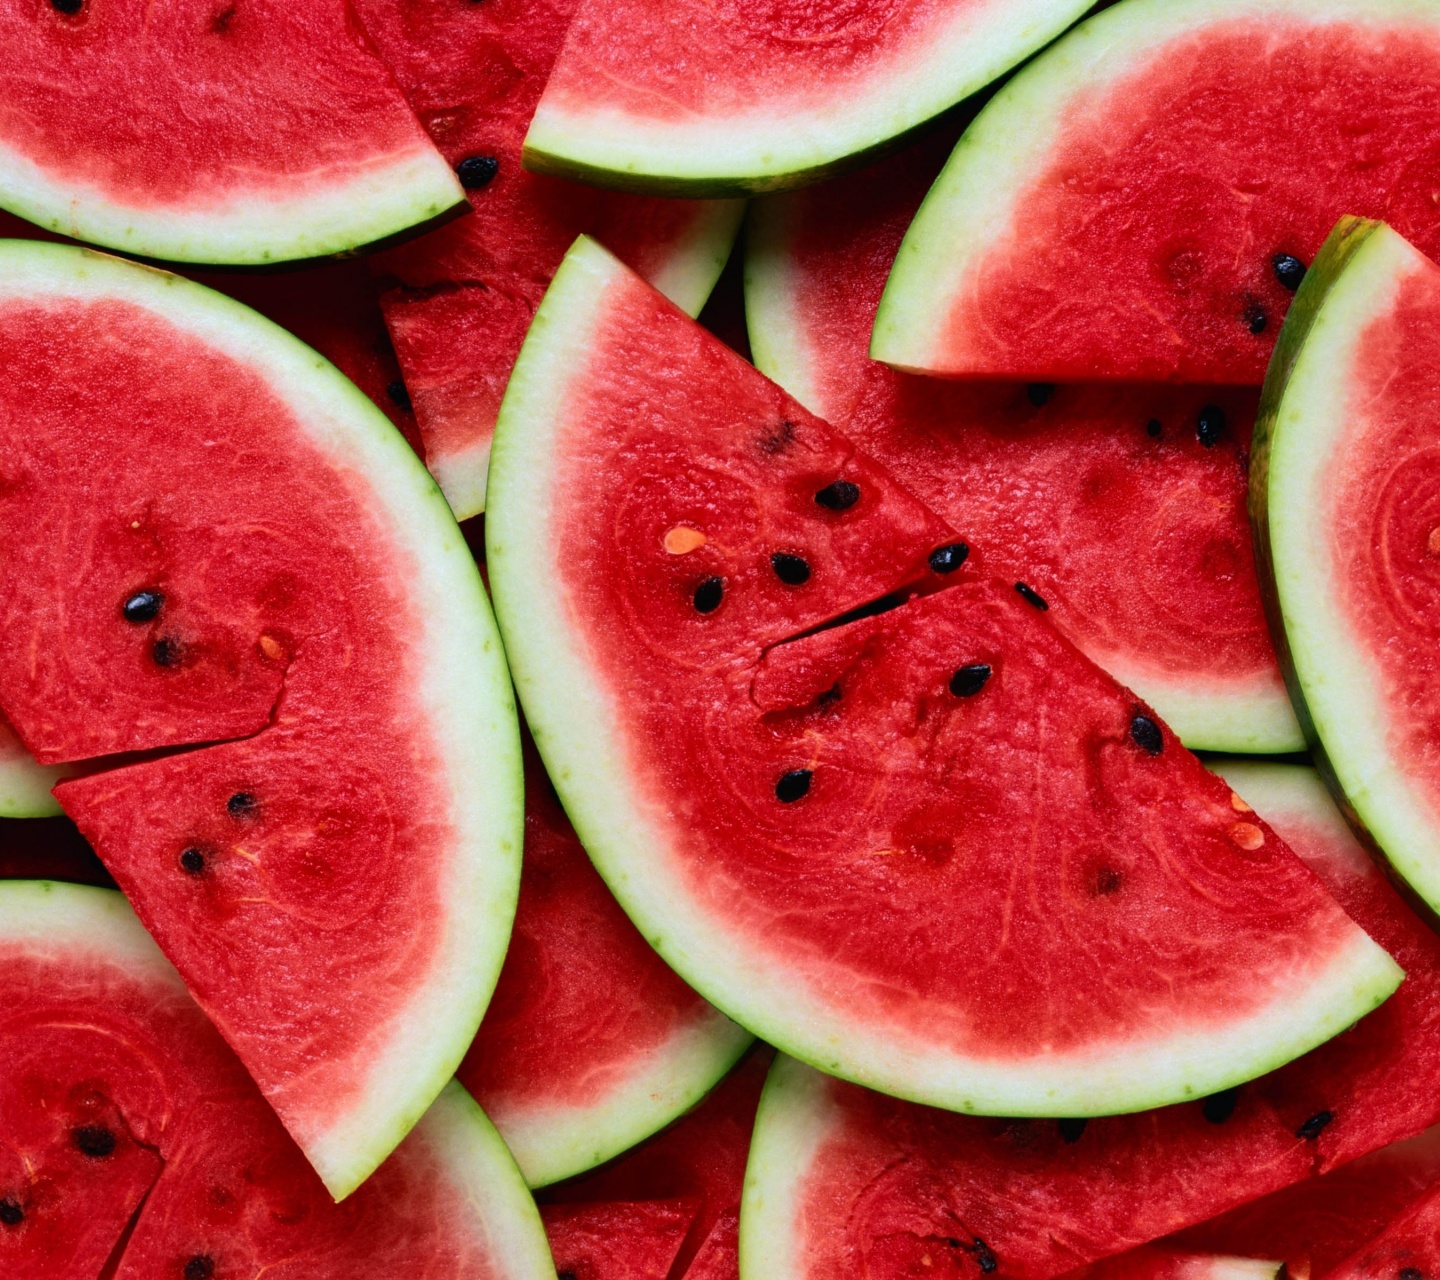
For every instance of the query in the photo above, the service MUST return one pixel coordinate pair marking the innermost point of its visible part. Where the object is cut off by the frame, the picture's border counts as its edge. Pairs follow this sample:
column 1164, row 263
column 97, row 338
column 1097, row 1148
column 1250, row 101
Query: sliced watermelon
column 670, row 531
column 1408, row 1248
column 24, row 783
column 1123, row 506
column 719, row 1256
column 119, row 1099
column 1152, row 1262
column 837, row 1172
column 591, row 1043
column 1343, row 498
column 473, row 73
column 264, row 563
column 628, row 1240
column 204, row 132
column 700, row 99
column 1123, row 209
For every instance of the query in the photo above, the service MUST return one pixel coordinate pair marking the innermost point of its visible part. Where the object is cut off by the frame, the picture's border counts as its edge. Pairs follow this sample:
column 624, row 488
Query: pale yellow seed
column 1432, row 544
column 1239, row 805
column 682, row 540
column 271, row 648
column 1247, row 836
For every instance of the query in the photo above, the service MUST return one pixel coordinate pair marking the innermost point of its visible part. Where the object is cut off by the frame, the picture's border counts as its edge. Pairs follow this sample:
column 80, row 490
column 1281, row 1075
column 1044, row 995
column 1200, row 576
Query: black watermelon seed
column 143, row 606
column 1219, row 1107
column 709, row 594
column 1411, row 1273
column 792, row 786
column 399, row 395
column 165, row 652
column 1210, row 425
column 564, row 1275
column 1039, row 393
column 1071, row 1130
column 832, row 694
column 1153, row 428
column 950, row 557
column 241, row 804
column 968, row 681
column 11, row 1214
column 839, row 495
column 985, row 1256
column 1146, row 735
column 70, row 7
column 200, row 1267
column 791, row 570
column 1031, row 596
column 192, row 861
column 94, row 1140
column 1254, row 316
column 1289, row 270
column 1315, row 1126
column 476, row 172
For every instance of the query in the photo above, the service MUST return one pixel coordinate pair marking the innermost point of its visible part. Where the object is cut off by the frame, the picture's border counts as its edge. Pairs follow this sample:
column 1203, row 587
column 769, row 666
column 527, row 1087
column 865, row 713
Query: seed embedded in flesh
column 950, row 557
column 709, row 594
column 11, row 1214
column 1153, row 428
column 839, row 495
column 792, row 786
column 1210, row 425
column 1411, row 1273
column 1071, row 1130
column 1239, row 805
column 985, row 1257
column 1219, row 1107
column 1315, row 1126
column 969, row 680
column 399, row 395
column 1432, row 543
column 68, row 7
column 1039, row 393
column 792, row 570
column 1247, row 836
column 143, row 606
column 165, row 652
column 271, row 647
column 681, row 540
column 1289, row 270
column 1146, row 735
column 192, row 861
column 1028, row 594
column 476, row 172
column 200, row 1267
column 1255, row 318
column 94, row 1141
column 241, row 805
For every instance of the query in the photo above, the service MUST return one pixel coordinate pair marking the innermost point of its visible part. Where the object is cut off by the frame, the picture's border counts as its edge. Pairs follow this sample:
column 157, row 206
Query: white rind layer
column 574, row 721
column 1342, row 690
column 375, row 202
column 463, row 685
column 24, row 782
column 972, row 207
column 773, row 146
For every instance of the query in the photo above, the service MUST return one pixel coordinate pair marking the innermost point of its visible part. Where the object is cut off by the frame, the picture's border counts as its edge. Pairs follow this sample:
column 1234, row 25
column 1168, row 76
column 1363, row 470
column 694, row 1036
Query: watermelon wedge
column 1123, row 506
column 1341, row 489
column 268, row 575
column 671, row 539
column 198, row 132
column 1408, row 1247
column 1153, row 1262
column 621, row 1241
column 591, row 1043
column 473, row 73
column 838, row 1173
column 1121, row 209
column 701, row 99
column 132, row 1133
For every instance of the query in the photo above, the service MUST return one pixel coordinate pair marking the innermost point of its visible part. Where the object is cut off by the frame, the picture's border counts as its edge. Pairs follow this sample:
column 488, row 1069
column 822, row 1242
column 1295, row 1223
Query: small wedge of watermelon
column 627, row 1240
column 1122, row 209
column 196, row 131
column 1408, row 1248
column 591, row 1043
column 268, row 575
column 1152, row 1262
column 1347, row 516
column 473, row 73
column 701, row 99
column 120, row 1101
column 820, row 827
column 1123, row 506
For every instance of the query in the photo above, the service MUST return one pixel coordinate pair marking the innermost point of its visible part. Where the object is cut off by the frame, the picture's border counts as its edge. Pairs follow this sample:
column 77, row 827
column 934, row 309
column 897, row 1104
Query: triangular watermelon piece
column 252, row 132
column 821, row 826
column 619, row 1240
column 1155, row 1262
column 1408, row 1247
column 251, row 553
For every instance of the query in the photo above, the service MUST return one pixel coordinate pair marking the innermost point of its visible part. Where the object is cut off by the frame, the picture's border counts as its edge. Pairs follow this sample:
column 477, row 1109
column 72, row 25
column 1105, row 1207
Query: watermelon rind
column 1336, row 690
column 587, row 760
column 462, row 689
column 974, row 200
column 25, row 784
column 769, row 148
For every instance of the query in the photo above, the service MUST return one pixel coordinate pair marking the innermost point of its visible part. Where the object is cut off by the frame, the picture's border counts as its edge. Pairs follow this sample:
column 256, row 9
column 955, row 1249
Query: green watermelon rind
column 972, row 205
column 772, row 149
column 574, row 729
column 465, row 690
column 1331, row 679
column 25, row 788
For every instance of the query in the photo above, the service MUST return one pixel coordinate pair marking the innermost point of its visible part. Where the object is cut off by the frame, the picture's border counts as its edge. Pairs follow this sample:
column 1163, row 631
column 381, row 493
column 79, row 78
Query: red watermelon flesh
column 1408, row 1248
column 719, row 1256
column 1117, row 210
column 632, row 1240
column 1155, row 1262
column 1123, row 506
column 473, row 73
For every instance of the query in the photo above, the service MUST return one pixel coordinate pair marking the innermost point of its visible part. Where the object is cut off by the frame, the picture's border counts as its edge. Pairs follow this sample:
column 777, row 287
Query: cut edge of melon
column 25, row 783
column 403, row 195
column 551, row 1141
column 778, row 345
column 573, row 726
column 465, row 688
column 765, row 150
column 1245, row 717
column 1332, row 681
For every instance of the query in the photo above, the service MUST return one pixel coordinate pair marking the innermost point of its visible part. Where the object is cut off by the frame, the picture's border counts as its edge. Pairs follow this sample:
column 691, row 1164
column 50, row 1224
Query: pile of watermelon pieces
column 720, row 640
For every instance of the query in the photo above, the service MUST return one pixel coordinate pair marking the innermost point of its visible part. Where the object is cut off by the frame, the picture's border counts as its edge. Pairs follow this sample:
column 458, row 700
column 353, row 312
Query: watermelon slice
column 205, row 132
column 1151, row 1262
column 698, row 98
column 24, row 783
column 269, row 574
column 473, row 73
column 670, row 531
column 1124, row 507
column 838, row 1173
column 121, row 1102
column 622, row 1241
column 1408, row 1248
column 1341, row 494
column 591, row 1042
column 1121, row 209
